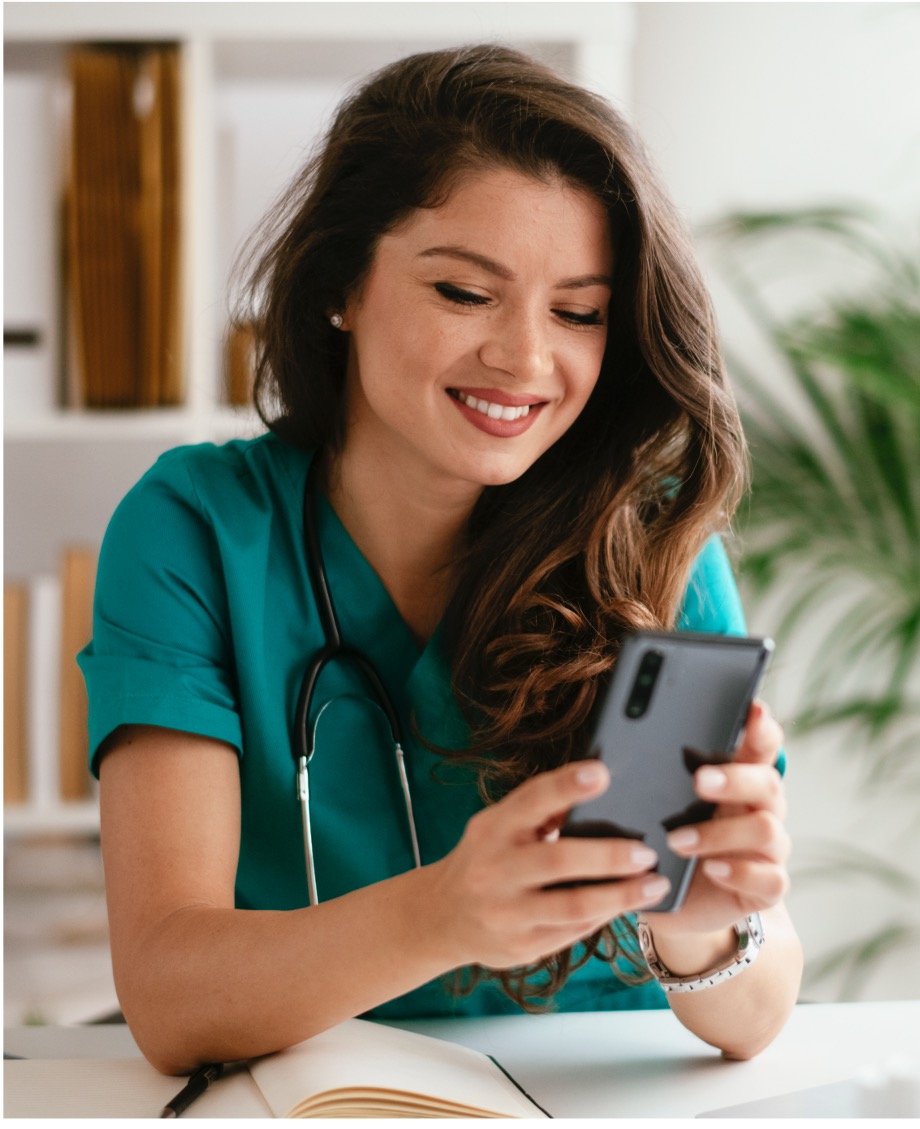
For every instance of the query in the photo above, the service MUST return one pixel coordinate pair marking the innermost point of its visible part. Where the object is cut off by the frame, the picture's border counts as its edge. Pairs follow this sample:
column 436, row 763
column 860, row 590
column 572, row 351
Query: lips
column 501, row 414
column 497, row 396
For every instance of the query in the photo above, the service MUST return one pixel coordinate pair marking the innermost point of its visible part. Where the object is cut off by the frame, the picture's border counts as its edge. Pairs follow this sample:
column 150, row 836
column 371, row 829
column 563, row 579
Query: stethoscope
column 334, row 650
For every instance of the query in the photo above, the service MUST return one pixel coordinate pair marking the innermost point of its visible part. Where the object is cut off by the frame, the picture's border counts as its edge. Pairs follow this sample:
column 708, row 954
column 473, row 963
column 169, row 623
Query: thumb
column 763, row 737
column 539, row 806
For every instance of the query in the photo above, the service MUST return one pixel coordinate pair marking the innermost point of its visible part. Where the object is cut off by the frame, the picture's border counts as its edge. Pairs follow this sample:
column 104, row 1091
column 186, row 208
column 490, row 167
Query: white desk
column 624, row 1064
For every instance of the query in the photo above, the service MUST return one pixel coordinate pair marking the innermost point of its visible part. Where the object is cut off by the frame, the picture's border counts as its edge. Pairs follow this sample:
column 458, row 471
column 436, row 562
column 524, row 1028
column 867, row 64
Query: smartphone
column 676, row 701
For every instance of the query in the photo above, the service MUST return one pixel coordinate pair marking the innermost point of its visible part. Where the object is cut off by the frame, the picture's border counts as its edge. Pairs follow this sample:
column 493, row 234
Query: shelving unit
column 258, row 79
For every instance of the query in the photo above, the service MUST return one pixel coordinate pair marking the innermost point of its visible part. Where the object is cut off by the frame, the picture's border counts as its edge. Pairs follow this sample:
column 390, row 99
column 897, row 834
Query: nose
column 518, row 343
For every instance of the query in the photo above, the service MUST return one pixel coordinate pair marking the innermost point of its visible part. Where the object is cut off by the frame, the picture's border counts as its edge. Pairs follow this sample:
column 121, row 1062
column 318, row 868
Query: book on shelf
column 123, row 226
column 44, row 680
column 78, row 577
column 47, row 620
column 357, row 1069
column 15, row 697
column 240, row 363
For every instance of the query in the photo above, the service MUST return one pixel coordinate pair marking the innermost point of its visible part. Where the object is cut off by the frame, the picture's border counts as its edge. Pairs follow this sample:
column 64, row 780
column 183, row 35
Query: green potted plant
column 830, row 533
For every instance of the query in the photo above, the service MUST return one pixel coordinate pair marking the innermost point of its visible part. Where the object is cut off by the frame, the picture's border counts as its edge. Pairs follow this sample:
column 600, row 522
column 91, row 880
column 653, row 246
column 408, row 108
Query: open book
column 364, row 1069
column 358, row 1069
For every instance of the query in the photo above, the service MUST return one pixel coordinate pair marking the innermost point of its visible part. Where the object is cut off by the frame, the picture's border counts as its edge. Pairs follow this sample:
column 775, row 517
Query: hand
column 743, row 849
column 492, row 887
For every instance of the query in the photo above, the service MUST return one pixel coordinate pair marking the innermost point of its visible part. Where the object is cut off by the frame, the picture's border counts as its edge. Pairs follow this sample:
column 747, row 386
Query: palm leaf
column 829, row 858
column 858, row 959
column 836, row 486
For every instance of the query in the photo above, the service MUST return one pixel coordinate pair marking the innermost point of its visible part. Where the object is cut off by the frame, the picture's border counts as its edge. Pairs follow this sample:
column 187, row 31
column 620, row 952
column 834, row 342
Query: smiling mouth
column 492, row 410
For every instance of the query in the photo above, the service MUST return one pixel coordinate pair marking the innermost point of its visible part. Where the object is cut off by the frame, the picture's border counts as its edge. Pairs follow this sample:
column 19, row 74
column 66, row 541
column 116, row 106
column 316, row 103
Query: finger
column 544, row 799
column 758, row 834
column 755, row 884
column 580, row 905
column 763, row 737
column 751, row 785
column 568, row 860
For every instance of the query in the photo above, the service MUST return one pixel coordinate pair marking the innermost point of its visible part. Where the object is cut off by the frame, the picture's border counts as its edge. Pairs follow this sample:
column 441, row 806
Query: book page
column 359, row 1056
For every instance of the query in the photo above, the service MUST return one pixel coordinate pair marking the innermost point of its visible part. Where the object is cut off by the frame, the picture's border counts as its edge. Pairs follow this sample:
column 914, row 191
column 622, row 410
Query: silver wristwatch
column 749, row 931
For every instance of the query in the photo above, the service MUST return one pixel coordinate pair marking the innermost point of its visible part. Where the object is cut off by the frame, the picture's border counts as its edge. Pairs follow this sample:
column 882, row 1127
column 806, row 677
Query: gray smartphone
column 676, row 701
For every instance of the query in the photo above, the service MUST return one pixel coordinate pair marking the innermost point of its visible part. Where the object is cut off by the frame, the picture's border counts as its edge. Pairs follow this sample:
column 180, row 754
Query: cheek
column 584, row 372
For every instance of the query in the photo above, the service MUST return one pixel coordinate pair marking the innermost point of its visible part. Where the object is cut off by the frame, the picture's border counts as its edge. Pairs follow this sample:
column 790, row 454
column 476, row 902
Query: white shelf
column 98, row 426
column 175, row 425
column 345, row 21
column 79, row 817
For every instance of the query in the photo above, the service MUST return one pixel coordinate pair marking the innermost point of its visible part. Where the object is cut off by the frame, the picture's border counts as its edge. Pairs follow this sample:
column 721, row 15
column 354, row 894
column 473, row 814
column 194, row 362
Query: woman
column 483, row 341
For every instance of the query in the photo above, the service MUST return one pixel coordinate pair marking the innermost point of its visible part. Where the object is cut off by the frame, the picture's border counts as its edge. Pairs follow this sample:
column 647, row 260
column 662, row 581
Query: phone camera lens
column 641, row 693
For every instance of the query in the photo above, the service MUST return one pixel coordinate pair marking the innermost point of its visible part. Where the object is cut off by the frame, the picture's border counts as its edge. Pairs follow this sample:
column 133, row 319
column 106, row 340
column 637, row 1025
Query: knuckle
column 777, row 789
column 777, row 885
column 579, row 903
column 767, row 827
column 477, row 827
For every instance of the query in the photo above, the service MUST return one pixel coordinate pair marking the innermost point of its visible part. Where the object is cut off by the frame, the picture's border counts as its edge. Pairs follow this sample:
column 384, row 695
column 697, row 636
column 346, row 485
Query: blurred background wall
column 756, row 107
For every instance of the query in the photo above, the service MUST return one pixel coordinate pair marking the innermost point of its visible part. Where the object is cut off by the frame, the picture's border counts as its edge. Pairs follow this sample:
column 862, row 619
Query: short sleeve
column 712, row 603
column 160, row 652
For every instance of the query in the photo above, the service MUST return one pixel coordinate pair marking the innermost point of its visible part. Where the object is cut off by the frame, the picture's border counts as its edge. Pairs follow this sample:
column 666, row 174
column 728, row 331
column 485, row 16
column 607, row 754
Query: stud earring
column 336, row 321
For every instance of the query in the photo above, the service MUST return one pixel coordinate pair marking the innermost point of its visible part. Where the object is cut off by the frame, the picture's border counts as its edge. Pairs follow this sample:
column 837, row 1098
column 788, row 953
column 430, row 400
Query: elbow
column 167, row 1042
column 164, row 1048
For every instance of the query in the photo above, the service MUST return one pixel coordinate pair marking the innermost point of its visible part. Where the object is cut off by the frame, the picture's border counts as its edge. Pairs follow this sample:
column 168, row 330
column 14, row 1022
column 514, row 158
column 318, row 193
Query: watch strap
column 750, row 934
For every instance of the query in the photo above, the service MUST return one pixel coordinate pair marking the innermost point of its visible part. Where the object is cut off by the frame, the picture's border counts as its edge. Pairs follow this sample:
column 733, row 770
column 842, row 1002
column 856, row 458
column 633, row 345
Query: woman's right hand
column 493, row 885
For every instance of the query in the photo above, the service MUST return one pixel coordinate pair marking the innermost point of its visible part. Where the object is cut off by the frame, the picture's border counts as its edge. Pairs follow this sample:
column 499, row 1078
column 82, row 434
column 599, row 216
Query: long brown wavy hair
column 598, row 537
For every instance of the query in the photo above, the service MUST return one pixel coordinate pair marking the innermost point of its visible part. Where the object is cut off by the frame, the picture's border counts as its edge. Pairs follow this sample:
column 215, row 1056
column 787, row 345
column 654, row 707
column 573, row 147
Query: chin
column 498, row 472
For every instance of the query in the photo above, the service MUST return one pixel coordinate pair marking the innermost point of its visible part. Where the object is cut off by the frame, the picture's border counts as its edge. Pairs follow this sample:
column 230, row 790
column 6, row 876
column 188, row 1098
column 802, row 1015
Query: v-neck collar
column 417, row 677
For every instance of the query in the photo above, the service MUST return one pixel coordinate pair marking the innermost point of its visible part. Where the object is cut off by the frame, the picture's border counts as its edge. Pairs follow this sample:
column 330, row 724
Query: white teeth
column 494, row 411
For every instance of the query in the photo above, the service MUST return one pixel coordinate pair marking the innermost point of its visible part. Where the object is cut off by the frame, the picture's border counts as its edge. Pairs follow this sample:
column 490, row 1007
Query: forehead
column 523, row 221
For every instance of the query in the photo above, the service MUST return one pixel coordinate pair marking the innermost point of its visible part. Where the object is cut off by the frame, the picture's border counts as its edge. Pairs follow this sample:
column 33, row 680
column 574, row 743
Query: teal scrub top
column 204, row 621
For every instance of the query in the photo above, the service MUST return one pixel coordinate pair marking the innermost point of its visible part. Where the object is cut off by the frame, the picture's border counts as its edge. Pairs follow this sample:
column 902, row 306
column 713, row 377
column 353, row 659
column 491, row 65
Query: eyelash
column 468, row 298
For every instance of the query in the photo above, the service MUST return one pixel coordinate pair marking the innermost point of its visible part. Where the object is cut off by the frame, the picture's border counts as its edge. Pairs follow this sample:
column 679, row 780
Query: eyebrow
column 501, row 271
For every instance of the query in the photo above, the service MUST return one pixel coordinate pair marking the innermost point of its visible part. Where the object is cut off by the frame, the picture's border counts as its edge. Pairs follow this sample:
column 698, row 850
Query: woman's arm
column 201, row 981
column 749, row 846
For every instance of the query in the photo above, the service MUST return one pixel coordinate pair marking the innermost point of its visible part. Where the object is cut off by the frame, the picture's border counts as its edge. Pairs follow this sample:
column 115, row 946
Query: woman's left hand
column 742, row 850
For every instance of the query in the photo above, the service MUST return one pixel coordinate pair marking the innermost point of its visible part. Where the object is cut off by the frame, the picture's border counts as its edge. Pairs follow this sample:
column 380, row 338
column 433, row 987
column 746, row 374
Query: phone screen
column 677, row 701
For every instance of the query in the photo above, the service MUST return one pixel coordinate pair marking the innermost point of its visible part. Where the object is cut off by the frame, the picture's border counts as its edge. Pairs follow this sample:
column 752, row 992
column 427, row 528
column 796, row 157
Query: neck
column 409, row 524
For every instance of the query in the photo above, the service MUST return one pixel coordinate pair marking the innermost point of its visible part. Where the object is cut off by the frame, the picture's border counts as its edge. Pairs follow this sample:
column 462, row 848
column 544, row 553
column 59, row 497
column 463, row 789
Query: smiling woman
column 500, row 437
column 452, row 349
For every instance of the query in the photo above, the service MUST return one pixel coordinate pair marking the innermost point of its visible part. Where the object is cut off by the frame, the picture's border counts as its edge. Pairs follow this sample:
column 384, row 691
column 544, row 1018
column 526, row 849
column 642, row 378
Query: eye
column 593, row 317
column 460, row 297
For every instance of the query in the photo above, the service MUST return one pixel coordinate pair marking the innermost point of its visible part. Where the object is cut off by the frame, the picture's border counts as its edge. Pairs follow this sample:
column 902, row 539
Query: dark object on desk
column 194, row 1088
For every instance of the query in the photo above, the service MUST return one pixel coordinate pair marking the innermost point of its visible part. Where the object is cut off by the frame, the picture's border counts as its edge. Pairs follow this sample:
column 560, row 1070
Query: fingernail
column 590, row 774
column 711, row 779
column 683, row 838
column 716, row 868
column 656, row 887
column 643, row 856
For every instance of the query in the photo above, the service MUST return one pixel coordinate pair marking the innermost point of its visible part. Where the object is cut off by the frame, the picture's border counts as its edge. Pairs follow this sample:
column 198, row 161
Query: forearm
column 217, row 984
column 743, row 1015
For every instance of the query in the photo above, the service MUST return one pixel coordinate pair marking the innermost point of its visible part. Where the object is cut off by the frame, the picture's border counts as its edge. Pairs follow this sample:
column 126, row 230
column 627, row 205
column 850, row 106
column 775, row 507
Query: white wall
column 764, row 106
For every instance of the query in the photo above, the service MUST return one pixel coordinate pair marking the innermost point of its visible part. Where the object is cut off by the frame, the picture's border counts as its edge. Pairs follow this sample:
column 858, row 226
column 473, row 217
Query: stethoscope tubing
column 304, row 745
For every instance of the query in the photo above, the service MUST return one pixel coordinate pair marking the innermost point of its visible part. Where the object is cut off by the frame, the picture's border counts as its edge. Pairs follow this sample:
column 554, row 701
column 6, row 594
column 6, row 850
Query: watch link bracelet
column 750, row 934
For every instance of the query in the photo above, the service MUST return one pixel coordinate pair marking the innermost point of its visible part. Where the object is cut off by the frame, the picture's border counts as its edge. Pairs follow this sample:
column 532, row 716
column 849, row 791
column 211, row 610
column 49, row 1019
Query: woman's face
column 478, row 333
